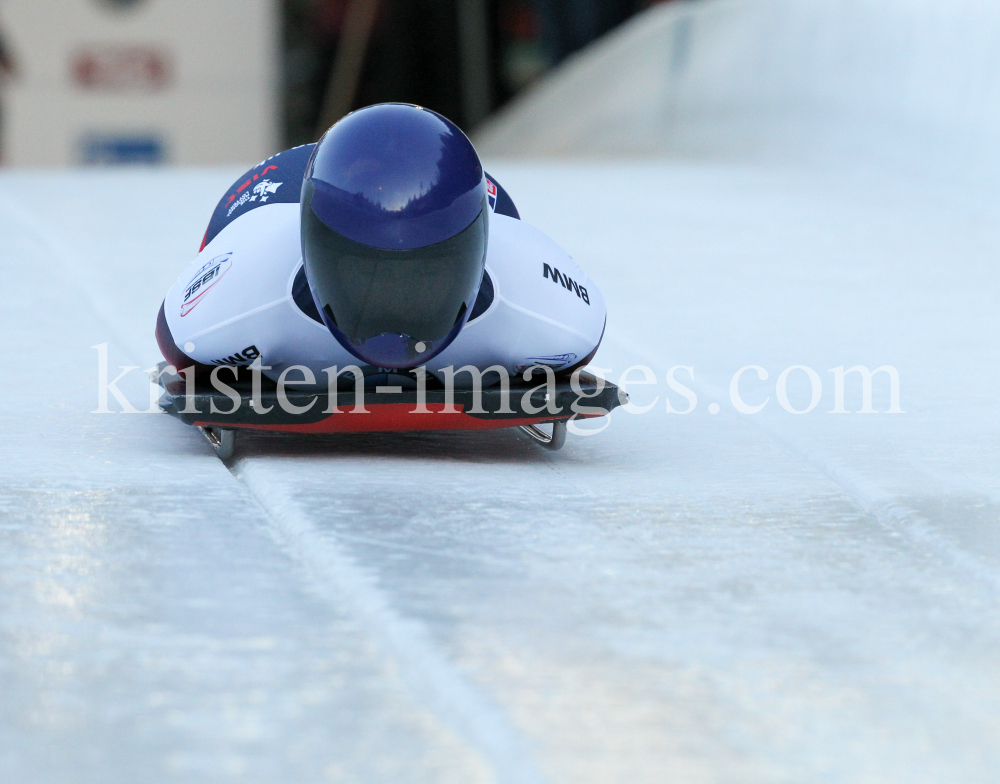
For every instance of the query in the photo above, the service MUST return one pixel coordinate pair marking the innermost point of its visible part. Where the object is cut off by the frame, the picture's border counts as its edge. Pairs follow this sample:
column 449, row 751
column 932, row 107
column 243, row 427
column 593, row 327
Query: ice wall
column 917, row 79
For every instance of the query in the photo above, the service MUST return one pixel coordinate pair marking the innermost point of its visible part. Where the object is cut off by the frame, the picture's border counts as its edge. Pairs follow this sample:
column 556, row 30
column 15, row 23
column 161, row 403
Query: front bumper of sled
column 388, row 409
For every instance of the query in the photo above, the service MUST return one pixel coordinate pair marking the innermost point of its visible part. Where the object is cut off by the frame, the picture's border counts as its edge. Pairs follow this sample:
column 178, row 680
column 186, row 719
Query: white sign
column 188, row 82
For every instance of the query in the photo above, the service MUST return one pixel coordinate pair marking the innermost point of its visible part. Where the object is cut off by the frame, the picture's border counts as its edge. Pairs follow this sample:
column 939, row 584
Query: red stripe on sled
column 389, row 417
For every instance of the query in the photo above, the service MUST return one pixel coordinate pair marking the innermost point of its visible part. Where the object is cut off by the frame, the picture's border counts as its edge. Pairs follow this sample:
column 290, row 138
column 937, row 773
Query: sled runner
column 221, row 415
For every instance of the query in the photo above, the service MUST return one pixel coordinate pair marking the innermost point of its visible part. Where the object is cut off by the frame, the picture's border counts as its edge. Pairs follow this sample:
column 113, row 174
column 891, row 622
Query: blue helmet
column 394, row 232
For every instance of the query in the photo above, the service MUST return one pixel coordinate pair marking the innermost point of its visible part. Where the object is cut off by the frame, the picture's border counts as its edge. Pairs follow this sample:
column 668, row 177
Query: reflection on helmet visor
column 369, row 291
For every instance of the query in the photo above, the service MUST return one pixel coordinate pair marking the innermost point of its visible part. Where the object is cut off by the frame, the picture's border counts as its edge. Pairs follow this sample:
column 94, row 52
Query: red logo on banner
column 122, row 69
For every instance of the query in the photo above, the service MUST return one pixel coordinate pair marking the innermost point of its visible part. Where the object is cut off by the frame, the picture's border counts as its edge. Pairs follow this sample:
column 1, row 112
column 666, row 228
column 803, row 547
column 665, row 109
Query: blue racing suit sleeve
column 274, row 181
column 504, row 204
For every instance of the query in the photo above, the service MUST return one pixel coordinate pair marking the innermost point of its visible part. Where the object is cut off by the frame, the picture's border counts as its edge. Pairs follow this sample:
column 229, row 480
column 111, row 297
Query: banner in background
column 188, row 82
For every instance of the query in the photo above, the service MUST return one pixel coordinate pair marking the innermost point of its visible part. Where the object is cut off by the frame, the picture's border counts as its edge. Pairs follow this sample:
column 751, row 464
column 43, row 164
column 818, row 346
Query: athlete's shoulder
column 526, row 262
column 276, row 180
column 500, row 201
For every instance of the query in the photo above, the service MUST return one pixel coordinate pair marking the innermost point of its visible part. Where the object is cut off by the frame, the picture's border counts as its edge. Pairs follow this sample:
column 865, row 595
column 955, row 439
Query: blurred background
column 205, row 82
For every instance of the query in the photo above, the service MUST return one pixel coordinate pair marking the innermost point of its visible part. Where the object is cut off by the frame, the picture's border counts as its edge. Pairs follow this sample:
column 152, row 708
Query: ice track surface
column 699, row 598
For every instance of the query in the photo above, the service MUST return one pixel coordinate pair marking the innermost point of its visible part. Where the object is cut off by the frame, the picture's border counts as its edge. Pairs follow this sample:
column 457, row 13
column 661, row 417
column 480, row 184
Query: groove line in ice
column 884, row 507
column 433, row 680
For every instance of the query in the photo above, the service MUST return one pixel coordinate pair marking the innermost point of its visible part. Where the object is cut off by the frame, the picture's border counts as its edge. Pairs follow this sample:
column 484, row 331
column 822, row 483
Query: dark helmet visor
column 393, row 308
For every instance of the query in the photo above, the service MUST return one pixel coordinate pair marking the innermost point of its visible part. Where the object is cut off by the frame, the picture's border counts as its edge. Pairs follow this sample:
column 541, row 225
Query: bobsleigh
column 221, row 416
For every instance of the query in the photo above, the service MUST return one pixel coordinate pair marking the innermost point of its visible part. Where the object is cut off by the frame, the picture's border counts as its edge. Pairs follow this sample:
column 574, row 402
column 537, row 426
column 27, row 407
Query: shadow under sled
column 220, row 415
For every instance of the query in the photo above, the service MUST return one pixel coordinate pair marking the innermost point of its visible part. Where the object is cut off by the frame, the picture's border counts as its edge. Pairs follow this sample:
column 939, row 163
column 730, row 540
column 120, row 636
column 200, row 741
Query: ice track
column 717, row 598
